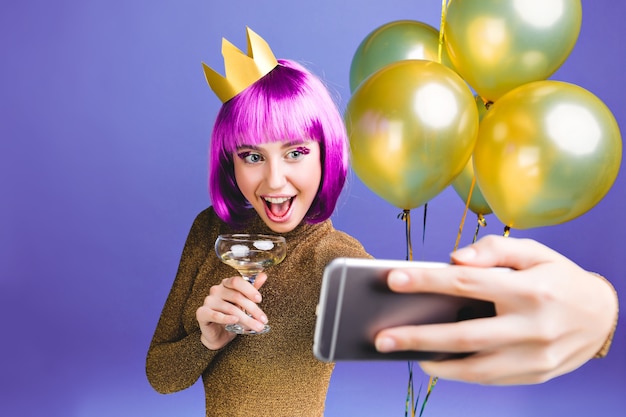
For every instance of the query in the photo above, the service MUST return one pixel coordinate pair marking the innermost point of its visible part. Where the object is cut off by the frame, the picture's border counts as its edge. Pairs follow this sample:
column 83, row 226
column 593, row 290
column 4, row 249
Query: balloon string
column 424, row 225
column 433, row 379
column 481, row 222
column 467, row 203
column 410, row 394
column 431, row 384
column 444, row 10
column 406, row 217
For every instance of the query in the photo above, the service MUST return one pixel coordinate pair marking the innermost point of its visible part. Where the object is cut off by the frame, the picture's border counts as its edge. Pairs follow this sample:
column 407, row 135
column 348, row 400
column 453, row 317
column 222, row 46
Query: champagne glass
column 250, row 254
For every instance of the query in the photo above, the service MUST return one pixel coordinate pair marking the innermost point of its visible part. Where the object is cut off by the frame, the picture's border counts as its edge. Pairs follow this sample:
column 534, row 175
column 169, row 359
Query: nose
column 276, row 174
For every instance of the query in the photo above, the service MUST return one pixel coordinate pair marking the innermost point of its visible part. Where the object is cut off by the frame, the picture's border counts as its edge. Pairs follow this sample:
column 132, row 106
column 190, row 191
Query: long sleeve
column 176, row 357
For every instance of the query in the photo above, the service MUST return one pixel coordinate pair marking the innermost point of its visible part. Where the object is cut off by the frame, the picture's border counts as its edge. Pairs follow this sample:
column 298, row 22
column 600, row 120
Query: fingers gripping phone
column 356, row 303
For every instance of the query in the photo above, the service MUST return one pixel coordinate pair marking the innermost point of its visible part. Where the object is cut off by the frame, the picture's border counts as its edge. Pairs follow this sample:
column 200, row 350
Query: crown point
column 242, row 70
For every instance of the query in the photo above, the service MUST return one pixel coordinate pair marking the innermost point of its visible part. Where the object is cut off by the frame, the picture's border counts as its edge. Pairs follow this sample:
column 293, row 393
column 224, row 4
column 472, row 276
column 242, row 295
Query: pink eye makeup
column 303, row 150
column 243, row 154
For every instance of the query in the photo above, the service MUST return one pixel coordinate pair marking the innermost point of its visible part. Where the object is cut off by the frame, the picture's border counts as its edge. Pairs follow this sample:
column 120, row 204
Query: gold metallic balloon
column 498, row 45
column 462, row 184
column 412, row 128
column 395, row 41
column 546, row 153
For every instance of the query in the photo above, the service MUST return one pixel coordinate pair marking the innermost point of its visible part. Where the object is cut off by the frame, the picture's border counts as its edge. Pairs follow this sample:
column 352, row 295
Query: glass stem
column 250, row 278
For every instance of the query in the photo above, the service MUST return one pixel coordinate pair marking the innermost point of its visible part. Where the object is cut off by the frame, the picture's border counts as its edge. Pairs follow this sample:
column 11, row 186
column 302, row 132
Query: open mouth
column 277, row 207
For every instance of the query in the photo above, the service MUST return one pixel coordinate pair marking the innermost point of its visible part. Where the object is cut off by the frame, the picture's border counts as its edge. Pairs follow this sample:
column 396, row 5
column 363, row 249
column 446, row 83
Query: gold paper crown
column 241, row 70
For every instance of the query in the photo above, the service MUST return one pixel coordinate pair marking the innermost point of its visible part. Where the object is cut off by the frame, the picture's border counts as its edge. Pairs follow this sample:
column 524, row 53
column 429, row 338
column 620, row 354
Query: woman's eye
column 298, row 152
column 250, row 157
column 294, row 154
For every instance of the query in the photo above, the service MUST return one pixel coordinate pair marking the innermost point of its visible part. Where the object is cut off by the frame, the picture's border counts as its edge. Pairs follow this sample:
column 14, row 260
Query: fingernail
column 464, row 254
column 398, row 278
column 264, row 319
column 385, row 344
column 257, row 298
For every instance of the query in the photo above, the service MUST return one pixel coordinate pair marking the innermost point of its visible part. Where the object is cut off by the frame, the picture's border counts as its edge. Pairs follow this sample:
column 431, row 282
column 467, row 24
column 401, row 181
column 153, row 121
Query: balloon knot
column 404, row 215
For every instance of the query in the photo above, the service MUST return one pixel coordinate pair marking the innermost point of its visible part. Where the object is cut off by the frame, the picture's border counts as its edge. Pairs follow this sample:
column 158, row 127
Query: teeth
column 276, row 200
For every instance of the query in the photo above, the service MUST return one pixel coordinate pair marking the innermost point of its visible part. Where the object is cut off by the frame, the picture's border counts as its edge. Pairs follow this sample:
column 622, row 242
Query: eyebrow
column 285, row 144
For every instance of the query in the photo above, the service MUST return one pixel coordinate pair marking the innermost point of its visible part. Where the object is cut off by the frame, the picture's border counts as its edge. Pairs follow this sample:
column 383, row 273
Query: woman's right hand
column 225, row 304
column 552, row 315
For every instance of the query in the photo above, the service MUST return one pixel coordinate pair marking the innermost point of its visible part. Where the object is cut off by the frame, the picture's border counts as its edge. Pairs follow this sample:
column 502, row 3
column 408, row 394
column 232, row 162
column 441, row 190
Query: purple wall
column 105, row 117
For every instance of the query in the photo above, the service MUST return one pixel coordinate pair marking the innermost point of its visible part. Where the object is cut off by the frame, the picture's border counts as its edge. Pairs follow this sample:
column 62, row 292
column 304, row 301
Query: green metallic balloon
column 546, row 153
column 395, row 41
column 498, row 45
column 412, row 127
column 462, row 184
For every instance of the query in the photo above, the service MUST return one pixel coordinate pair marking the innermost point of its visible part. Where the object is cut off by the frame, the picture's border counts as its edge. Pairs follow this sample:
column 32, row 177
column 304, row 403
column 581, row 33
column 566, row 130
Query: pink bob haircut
column 287, row 104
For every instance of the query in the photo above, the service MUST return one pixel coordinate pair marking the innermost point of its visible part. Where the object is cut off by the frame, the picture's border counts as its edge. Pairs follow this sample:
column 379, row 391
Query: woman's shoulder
column 206, row 223
column 342, row 238
column 207, row 218
column 206, row 214
column 337, row 243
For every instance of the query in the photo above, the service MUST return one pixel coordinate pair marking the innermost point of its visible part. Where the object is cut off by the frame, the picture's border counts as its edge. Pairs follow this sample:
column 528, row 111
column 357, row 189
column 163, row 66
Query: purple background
column 105, row 118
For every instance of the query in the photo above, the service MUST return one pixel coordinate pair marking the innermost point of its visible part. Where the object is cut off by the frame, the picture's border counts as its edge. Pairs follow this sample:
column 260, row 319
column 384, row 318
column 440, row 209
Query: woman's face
column 280, row 180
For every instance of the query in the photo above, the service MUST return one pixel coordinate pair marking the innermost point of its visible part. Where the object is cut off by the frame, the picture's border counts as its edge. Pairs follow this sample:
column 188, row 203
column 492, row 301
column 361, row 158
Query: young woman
column 279, row 158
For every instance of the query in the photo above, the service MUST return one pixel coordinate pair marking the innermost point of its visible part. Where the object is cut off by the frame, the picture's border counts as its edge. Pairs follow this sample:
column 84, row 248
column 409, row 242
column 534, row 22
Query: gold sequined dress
column 274, row 374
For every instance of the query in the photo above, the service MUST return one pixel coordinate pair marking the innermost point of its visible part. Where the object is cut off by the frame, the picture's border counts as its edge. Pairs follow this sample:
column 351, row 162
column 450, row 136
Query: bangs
column 285, row 110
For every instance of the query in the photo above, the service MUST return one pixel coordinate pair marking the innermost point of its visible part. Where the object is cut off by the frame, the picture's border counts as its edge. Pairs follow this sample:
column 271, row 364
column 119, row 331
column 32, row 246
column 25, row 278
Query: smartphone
column 356, row 303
